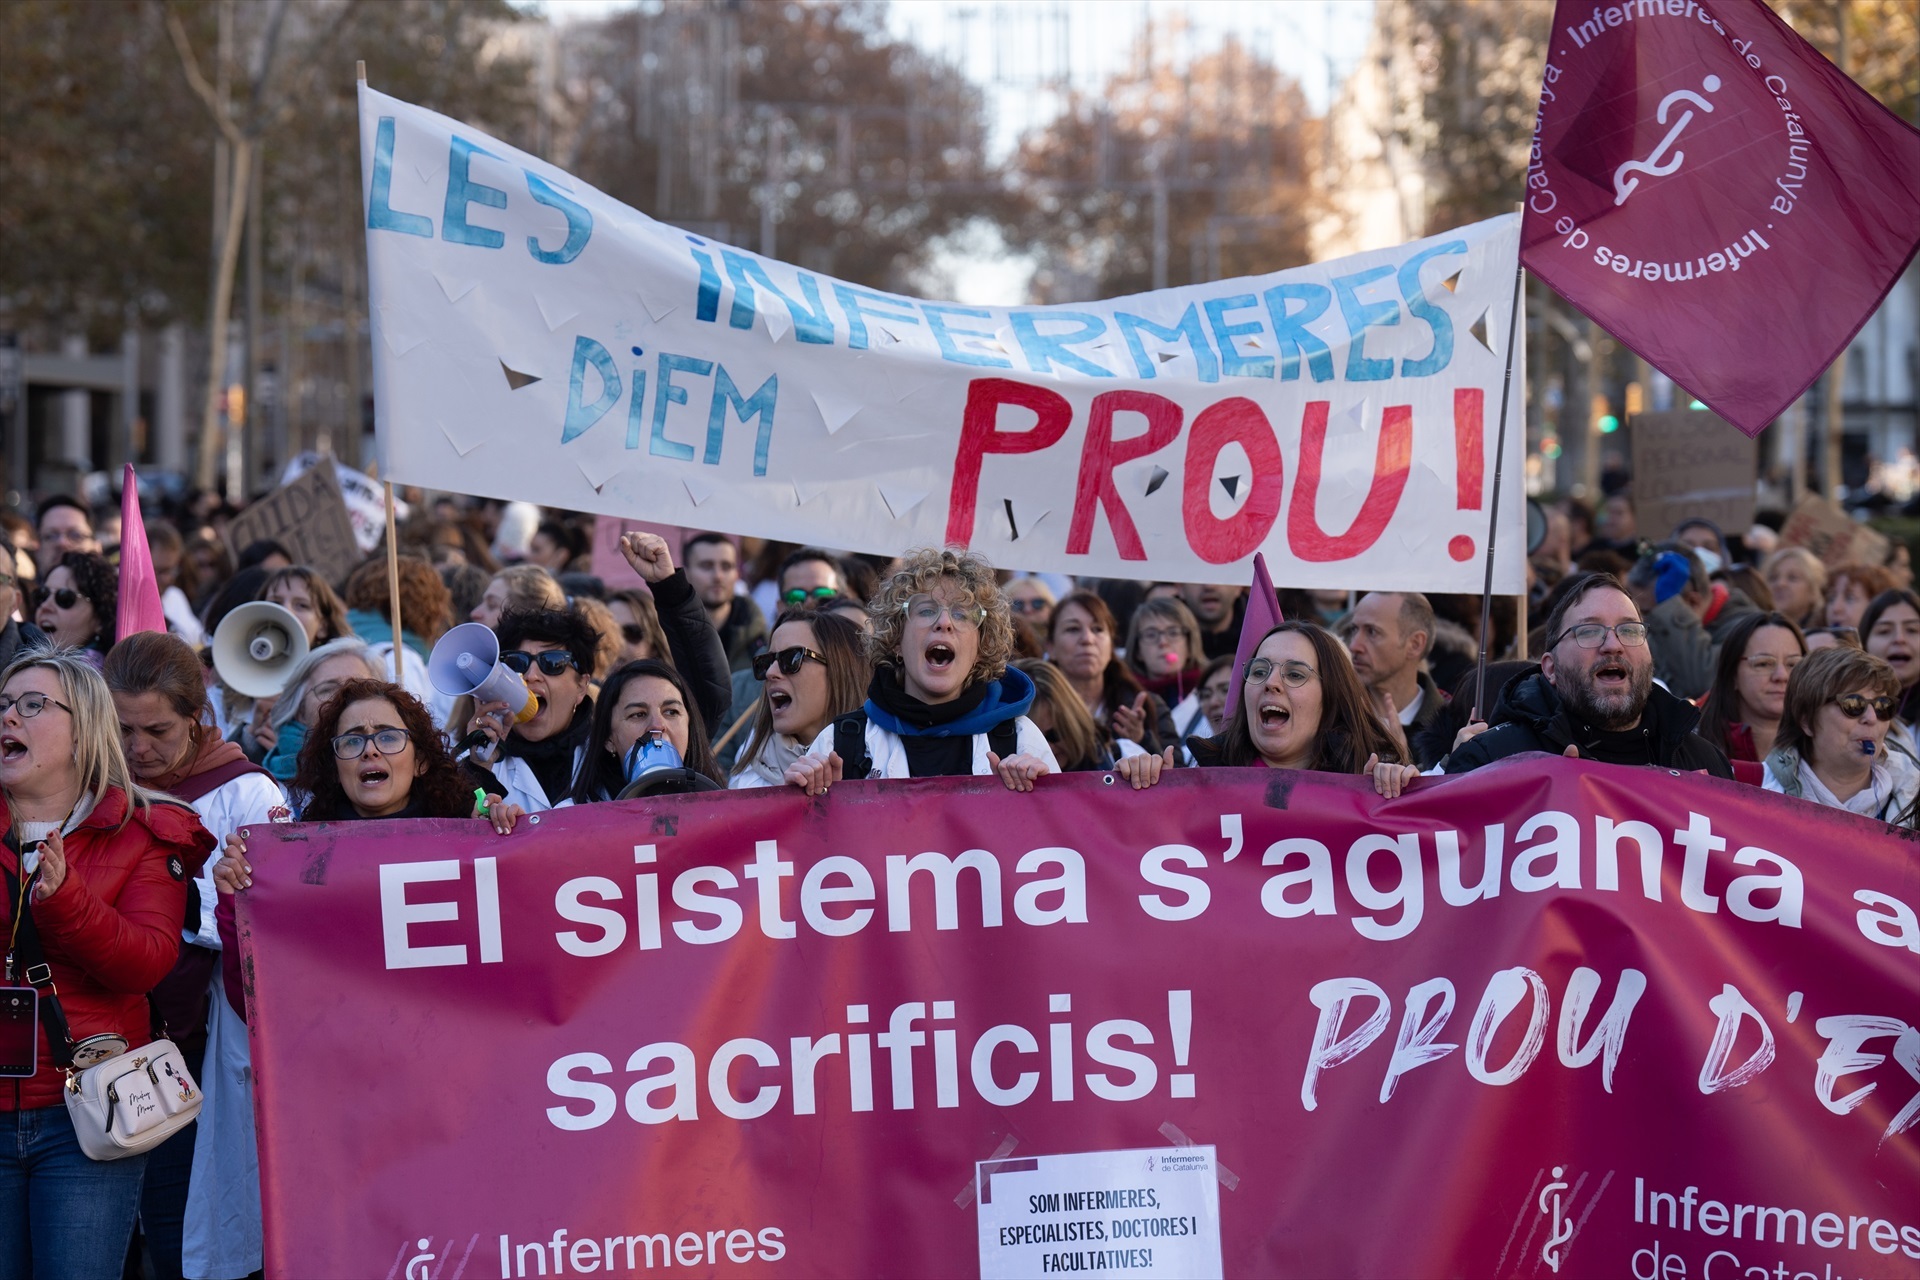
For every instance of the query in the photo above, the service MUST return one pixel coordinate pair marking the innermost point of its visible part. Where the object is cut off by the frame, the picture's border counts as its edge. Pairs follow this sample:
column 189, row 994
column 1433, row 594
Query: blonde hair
column 920, row 573
column 530, row 587
column 1810, row 564
column 97, row 752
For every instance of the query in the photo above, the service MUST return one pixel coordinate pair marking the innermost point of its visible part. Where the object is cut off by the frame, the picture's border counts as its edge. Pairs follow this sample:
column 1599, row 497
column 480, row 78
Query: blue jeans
column 62, row 1214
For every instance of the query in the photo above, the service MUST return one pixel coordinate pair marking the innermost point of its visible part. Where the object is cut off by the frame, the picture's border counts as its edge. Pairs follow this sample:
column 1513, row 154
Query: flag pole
column 393, row 537
column 1493, row 519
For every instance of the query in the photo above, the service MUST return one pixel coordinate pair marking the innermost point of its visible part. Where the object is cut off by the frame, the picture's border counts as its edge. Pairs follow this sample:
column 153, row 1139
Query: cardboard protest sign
column 365, row 497
column 309, row 518
column 1685, row 465
column 535, row 339
column 1550, row 1017
column 1819, row 525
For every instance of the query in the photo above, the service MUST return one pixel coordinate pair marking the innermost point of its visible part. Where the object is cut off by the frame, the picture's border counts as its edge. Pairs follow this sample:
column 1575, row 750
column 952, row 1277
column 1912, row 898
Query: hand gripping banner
column 535, row 339
column 1546, row 1019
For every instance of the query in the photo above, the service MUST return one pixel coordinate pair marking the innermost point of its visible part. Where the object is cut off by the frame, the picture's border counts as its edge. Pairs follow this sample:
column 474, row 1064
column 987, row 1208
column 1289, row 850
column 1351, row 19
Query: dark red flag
column 1716, row 195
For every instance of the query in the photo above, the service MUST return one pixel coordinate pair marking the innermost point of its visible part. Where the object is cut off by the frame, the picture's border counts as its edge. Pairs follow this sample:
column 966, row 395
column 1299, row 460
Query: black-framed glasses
column 927, row 610
column 30, row 704
column 1591, row 635
column 1854, row 705
column 1292, row 674
column 388, row 742
column 790, row 659
column 801, row 595
column 552, row 662
column 64, row 598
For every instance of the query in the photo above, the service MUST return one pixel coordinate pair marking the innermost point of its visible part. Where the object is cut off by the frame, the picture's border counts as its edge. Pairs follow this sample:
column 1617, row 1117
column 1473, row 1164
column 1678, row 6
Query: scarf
column 284, row 760
column 551, row 759
column 211, row 751
column 770, row 759
column 980, row 706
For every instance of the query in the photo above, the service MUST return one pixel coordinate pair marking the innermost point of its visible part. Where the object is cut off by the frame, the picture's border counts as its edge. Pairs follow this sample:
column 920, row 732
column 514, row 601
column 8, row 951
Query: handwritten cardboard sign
column 1691, row 463
column 1819, row 525
column 307, row 516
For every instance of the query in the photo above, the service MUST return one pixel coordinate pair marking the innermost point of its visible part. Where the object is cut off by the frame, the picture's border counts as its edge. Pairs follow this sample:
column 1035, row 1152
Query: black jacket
column 1530, row 716
column 695, row 646
column 16, row 636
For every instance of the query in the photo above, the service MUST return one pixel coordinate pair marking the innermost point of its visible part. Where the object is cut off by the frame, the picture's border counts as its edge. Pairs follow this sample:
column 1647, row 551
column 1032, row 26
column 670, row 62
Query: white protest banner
column 535, row 339
column 1148, row 1212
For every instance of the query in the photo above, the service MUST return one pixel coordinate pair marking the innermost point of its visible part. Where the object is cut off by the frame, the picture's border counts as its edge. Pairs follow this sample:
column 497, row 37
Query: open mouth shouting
column 1611, row 675
column 12, row 749
column 779, row 700
column 1275, row 717
column 939, row 657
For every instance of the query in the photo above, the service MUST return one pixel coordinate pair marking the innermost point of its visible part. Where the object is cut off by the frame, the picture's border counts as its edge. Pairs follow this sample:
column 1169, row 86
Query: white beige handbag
column 131, row 1102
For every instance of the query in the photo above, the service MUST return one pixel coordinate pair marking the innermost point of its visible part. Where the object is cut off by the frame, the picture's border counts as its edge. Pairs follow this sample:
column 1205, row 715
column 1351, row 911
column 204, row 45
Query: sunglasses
column 800, row 595
column 633, row 632
column 64, row 598
column 790, row 660
column 1854, row 705
column 553, row 662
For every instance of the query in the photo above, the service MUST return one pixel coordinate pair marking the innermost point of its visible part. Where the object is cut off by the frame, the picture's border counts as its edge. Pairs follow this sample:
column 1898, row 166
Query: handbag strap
column 38, row 973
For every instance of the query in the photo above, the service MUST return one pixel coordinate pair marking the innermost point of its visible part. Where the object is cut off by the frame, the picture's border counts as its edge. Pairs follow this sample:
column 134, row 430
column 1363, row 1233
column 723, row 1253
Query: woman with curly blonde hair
column 942, row 700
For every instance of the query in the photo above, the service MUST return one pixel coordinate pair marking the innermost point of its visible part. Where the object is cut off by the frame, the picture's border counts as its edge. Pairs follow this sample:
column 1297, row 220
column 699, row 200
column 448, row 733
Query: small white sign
column 1152, row 1212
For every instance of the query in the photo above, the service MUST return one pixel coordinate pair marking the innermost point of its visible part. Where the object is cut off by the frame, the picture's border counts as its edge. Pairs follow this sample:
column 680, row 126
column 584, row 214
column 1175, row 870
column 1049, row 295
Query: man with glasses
column 1593, row 696
column 809, row 576
column 65, row 525
column 14, row 635
column 713, row 567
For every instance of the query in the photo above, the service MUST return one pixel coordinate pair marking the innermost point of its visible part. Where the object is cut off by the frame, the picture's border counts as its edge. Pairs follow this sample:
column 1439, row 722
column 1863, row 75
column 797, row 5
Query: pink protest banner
column 1547, row 1018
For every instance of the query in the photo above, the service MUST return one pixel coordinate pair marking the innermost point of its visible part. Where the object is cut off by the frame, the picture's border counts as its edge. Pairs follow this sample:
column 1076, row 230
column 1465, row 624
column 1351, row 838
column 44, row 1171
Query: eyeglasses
column 1854, row 705
column 30, row 704
column 800, row 595
column 64, row 598
column 927, row 610
column 1766, row 666
column 388, row 742
column 632, row 632
column 75, row 536
column 1292, row 674
column 790, row 660
column 1161, row 635
column 552, row 662
column 1591, row 635
column 1029, row 604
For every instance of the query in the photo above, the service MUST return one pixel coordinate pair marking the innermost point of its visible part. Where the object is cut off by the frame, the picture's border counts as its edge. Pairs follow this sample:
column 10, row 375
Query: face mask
column 1710, row 558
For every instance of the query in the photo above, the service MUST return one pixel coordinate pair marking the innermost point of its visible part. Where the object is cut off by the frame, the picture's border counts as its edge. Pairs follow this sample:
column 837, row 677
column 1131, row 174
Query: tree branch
column 190, row 64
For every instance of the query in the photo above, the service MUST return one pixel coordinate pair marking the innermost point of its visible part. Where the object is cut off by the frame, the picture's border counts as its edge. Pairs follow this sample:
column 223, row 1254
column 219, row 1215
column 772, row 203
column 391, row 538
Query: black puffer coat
column 1531, row 716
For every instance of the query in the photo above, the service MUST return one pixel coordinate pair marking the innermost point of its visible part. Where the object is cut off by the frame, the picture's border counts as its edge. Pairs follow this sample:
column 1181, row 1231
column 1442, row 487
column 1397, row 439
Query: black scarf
column 551, row 759
column 928, row 757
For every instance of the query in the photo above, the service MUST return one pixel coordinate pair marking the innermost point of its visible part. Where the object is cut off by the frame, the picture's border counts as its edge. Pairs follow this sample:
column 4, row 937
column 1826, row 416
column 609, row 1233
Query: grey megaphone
column 255, row 647
column 466, row 660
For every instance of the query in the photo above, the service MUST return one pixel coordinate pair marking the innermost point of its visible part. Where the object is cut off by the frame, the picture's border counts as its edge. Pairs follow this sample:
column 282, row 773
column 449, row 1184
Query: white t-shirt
column 249, row 798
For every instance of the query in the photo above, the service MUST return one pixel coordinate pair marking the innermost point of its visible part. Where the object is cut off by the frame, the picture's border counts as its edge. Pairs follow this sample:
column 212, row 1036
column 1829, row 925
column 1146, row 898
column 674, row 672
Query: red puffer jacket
column 112, row 929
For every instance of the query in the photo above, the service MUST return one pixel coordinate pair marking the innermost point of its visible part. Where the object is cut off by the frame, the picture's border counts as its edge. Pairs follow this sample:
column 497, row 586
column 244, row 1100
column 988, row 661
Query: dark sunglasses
column 633, row 632
column 552, row 663
column 790, row 660
column 64, row 598
column 1854, row 705
column 800, row 595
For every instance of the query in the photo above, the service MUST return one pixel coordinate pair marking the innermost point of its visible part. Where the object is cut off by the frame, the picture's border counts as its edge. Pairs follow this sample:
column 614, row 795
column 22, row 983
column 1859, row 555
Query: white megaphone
column 467, row 660
column 255, row 647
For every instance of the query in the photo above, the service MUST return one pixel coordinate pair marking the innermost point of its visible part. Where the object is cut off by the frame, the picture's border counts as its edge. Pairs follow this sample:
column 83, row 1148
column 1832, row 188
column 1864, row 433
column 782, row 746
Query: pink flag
column 139, row 588
column 1262, row 615
column 1716, row 195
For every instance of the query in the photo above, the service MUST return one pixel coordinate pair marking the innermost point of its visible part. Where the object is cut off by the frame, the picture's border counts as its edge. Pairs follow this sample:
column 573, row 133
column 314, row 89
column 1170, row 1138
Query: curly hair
column 921, row 572
column 99, row 582
column 333, row 614
column 440, row 788
column 425, row 606
column 1348, row 731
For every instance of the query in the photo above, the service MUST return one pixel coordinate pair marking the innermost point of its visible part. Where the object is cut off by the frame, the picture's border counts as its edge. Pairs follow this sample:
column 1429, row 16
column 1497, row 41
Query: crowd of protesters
column 129, row 767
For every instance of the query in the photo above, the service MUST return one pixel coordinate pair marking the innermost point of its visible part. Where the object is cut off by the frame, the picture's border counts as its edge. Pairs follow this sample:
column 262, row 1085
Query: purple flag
column 1263, row 613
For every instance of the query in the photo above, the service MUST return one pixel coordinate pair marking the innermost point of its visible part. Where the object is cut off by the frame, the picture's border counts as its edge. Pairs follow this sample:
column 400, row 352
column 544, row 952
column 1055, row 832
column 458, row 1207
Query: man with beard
column 1593, row 696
